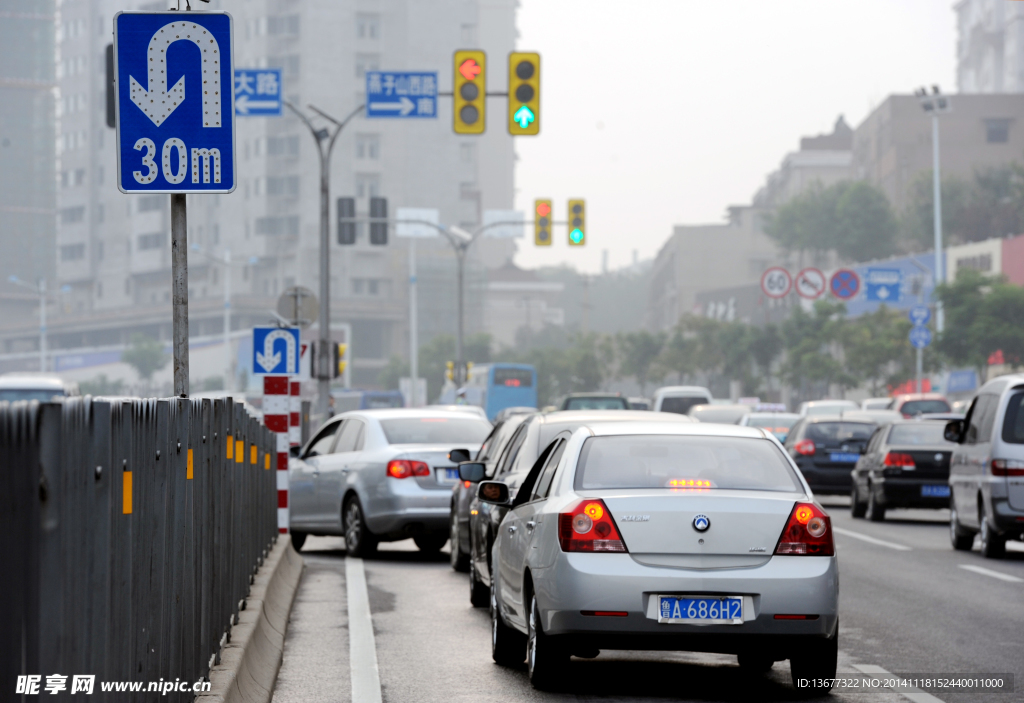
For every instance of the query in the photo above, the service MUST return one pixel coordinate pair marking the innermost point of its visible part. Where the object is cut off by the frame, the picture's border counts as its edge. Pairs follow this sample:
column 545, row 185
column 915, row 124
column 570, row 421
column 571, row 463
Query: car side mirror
column 458, row 455
column 493, row 492
column 954, row 431
column 294, row 452
column 472, row 471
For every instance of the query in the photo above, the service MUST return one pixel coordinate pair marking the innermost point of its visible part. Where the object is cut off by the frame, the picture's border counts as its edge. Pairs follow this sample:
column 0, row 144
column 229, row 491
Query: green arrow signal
column 576, row 236
column 524, row 116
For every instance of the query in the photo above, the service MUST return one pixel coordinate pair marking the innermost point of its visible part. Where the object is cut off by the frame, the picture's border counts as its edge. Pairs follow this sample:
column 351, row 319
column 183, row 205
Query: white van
column 29, row 386
column 679, row 399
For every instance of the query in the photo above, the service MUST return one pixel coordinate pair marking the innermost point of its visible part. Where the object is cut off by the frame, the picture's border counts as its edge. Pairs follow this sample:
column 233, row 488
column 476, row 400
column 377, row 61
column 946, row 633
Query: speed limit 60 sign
column 776, row 282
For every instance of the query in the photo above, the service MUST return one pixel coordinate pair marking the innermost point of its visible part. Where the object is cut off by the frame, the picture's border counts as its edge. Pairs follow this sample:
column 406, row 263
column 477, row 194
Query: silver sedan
column 649, row 536
column 380, row 475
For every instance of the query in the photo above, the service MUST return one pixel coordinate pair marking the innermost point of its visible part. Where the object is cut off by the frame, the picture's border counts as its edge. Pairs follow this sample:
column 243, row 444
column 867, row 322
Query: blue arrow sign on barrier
column 258, row 92
column 275, row 350
column 920, row 315
column 175, row 122
column 401, row 94
column 920, row 337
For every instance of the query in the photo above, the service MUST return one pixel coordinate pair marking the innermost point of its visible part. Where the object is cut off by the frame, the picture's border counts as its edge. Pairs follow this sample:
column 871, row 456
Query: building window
column 277, row 226
column 289, row 64
column 156, row 240
column 283, row 25
column 997, row 131
column 71, row 215
column 367, row 146
column 283, row 185
column 151, row 203
column 367, row 26
column 283, row 146
column 100, row 214
column 79, row 176
column 366, row 62
column 367, row 185
column 72, row 252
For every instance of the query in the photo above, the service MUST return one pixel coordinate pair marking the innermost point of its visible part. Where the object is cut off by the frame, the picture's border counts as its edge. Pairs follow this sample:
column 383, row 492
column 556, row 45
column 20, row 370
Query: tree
column 811, row 341
column 638, row 351
column 877, row 349
column 396, row 369
column 582, row 364
column 146, row 355
column 435, row 354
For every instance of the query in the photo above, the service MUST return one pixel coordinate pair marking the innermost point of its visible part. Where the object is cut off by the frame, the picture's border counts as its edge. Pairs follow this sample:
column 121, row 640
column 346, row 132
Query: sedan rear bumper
column 404, row 508
column 828, row 480
column 906, row 492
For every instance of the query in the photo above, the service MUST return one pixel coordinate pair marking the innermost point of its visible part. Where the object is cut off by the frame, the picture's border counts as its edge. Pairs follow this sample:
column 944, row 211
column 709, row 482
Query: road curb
column 250, row 661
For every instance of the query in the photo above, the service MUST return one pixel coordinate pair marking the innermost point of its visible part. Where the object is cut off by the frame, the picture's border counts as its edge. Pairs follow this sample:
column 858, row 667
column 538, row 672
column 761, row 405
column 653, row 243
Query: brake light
column 805, row 447
column 589, row 527
column 403, row 468
column 900, row 459
column 808, row 533
column 1007, row 467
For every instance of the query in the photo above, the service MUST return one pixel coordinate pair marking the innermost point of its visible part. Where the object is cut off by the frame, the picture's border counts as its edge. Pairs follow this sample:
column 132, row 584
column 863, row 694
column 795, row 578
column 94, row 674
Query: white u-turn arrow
column 157, row 102
column 269, row 359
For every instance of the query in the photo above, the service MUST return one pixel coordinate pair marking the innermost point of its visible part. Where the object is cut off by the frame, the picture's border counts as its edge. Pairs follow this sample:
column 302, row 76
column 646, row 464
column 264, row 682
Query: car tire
column 875, row 512
column 298, row 539
column 993, row 546
column 459, row 559
column 755, row 663
column 816, row 661
column 546, row 659
column 961, row 538
column 857, row 507
column 479, row 595
column 359, row 541
column 508, row 645
column 430, row 543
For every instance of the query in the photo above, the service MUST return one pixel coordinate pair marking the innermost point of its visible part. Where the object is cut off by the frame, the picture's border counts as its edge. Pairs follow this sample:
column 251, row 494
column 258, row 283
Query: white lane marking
column 989, row 572
column 872, row 540
column 913, row 694
column 362, row 650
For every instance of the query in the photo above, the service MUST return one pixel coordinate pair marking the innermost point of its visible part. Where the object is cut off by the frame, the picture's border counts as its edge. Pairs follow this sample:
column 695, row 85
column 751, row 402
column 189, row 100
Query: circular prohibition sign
column 845, row 284
column 776, row 282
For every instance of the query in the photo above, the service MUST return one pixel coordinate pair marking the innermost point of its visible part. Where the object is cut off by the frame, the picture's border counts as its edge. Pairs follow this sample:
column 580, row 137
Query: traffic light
column 379, row 230
column 339, row 360
column 577, row 223
column 470, row 91
column 542, row 223
column 346, row 220
column 449, row 370
column 523, row 93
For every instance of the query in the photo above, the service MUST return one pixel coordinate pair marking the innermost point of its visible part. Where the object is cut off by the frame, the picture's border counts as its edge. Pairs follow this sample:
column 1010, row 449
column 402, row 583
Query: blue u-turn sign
column 175, row 102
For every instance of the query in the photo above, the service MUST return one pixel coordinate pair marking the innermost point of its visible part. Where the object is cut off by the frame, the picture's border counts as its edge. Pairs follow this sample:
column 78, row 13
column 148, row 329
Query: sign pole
column 179, row 292
column 414, row 341
column 920, row 363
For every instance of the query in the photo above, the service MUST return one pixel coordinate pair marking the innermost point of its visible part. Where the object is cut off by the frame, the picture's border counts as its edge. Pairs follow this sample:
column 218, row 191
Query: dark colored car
column 912, row 404
column 825, row 448
column 594, row 401
column 464, row 491
column 905, row 465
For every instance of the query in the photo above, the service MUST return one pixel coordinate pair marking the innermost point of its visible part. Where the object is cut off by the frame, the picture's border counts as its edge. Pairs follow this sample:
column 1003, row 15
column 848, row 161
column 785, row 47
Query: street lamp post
column 935, row 104
column 323, row 371
column 40, row 290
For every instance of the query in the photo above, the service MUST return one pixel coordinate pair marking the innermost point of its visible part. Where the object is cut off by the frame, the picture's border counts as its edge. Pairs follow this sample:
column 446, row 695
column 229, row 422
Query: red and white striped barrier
column 294, row 410
column 277, row 403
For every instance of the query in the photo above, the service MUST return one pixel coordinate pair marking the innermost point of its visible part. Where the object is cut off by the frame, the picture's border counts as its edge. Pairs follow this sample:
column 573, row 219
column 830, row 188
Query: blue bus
column 495, row 387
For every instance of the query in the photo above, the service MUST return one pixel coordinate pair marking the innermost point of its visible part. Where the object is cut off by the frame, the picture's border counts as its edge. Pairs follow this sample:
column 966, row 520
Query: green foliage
column 390, row 375
column 146, row 355
column 440, row 350
column 638, row 352
column 852, row 218
column 983, row 315
column 101, row 385
column 575, row 363
column 877, row 351
column 811, row 346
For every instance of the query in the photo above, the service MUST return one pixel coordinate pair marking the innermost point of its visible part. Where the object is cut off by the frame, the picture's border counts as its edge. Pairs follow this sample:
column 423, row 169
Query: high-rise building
column 990, row 46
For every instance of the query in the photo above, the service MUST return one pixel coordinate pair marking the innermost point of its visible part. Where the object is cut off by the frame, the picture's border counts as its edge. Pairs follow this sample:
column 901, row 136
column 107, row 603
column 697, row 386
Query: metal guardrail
column 131, row 530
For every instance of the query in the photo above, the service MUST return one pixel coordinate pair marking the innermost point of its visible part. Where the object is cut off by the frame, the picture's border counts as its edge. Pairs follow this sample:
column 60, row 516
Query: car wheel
column 816, row 661
column 962, row 539
column 755, row 663
column 430, row 543
column 507, row 644
column 876, row 512
column 545, row 658
column 857, row 507
column 478, row 593
column 993, row 546
column 359, row 541
column 298, row 539
column 459, row 559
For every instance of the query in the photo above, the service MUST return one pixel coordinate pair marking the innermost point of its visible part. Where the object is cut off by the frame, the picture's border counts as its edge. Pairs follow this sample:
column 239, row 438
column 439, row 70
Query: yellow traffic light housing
column 470, row 92
column 449, row 370
column 577, row 222
column 340, row 360
column 542, row 223
column 523, row 93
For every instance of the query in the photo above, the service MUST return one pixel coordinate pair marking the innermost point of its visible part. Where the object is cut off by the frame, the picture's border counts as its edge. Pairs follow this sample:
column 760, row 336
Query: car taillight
column 1007, row 467
column 808, row 533
column 900, row 459
column 805, row 447
column 403, row 468
column 589, row 527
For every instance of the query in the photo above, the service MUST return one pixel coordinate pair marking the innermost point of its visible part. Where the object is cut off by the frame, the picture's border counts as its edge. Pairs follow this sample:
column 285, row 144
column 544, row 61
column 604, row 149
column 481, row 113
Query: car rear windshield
column 680, row 405
column 917, row 407
column 597, row 404
column 927, row 433
column 42, row 395
column 658, row 461
column 827, row 432
column 435, row 430
column 1013, row 425
column 830, row 409
column 772, row 423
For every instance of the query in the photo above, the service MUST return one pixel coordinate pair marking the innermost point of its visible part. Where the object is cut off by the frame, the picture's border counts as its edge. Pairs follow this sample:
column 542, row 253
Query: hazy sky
column 664, row 112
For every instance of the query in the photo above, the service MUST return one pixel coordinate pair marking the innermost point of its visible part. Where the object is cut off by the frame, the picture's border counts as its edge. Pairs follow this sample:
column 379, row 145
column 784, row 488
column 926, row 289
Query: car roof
column 683, row 390
column 413, row 413
column 829, row 401
column 27, row 381
column 773, row 413
column 578, row 417
column 593, row 394
column 702, row 429
column 845, row 417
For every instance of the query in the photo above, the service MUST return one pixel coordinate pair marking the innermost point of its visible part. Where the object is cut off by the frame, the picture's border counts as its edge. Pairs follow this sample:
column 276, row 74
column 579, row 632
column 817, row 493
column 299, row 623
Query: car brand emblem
column 701, row 523
column 845, row 447
column 938, row 458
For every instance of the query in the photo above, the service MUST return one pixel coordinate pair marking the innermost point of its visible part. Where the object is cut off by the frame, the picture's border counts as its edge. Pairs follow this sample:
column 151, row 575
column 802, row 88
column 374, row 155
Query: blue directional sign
column 920, row 337
column 258, row 92
column 275, row 350
column 175, row 122
column 883, row 285
column 401, row 94
column 920, row 314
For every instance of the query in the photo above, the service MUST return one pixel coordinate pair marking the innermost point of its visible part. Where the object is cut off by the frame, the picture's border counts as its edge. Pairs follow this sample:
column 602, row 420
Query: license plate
column 935, row 491
column 447, row 473
column 843, row 458
column 721, row 610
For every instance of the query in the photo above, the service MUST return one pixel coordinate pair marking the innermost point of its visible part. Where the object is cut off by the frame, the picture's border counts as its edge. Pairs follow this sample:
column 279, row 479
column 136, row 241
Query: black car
column 825, row 448
column 594, row 401
column 905, row 465
column 464, row 491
